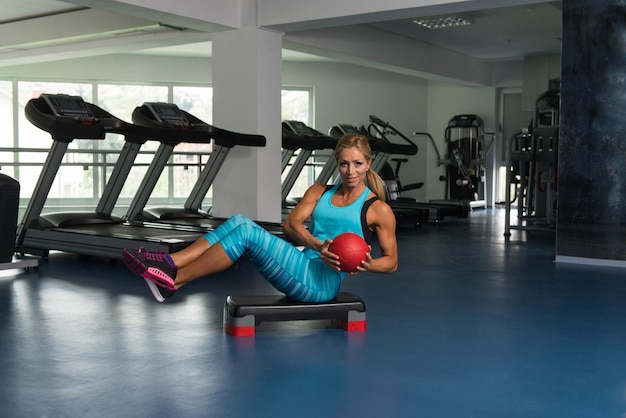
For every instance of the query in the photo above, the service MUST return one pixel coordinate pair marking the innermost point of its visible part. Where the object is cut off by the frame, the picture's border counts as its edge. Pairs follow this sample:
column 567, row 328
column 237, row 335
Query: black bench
column 243, row 313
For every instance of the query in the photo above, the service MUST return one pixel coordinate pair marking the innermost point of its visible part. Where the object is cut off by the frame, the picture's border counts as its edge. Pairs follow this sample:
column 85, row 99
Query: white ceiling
column 497, row 35
column 505, row 33
column 13, row 10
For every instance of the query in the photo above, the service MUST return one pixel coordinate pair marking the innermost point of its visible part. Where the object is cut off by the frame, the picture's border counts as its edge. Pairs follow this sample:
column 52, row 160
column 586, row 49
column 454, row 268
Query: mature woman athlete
column 356, row 204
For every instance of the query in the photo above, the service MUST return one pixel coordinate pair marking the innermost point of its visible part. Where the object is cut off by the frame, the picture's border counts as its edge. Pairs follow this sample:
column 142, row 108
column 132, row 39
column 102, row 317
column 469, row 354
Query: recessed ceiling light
column 444, row 21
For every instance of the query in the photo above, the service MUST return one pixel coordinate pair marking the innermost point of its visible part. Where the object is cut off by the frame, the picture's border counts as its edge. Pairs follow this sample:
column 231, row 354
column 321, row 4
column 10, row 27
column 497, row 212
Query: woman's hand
column 365, row 265
column 330, row 259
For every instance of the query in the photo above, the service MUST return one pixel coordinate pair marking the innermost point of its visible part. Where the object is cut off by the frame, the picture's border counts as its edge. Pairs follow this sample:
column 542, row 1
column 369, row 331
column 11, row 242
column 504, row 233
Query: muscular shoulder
column 380, row 213
column 304, row 208
column 317, row 188
column 382, row 208
column 315, row 191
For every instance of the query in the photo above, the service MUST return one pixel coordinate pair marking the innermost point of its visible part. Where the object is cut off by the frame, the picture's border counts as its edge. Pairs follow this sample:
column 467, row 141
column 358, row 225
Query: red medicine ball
column 351, row 249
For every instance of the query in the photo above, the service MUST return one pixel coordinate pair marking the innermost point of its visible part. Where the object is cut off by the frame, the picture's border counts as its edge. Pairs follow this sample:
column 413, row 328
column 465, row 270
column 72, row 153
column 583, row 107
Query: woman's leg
column 190, row 254
column 213, row 260
column 160, row 270
column 187, row 255
column 280, row 263
column 283, row 265
column 207, row 255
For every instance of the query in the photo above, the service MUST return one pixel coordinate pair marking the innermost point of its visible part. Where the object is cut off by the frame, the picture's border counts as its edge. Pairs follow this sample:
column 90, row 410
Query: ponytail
column 376, row 184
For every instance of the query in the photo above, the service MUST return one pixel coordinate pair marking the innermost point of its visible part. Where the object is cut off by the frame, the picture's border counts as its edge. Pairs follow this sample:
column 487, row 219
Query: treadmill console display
column 301, row 128
column 168, row 113
column 66, row 105
column 297, row 127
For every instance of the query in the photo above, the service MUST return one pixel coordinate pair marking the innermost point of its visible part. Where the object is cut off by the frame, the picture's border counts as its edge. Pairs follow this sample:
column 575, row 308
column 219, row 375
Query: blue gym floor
column 469, row 326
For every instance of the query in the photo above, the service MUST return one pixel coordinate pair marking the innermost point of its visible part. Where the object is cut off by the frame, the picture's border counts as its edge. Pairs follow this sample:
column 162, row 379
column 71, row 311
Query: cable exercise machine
column 532, row 172
column 464, row 160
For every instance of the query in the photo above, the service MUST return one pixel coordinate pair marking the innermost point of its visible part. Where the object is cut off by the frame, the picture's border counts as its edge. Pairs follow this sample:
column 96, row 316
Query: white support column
column 247, row 83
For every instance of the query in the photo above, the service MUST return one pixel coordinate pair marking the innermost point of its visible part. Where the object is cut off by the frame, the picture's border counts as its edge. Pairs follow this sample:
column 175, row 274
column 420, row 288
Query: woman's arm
column 381, row 218
column 294, row 224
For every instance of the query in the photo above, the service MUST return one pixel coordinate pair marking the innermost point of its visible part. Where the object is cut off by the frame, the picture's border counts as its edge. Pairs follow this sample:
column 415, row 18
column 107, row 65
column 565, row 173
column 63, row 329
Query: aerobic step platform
column 243, row 313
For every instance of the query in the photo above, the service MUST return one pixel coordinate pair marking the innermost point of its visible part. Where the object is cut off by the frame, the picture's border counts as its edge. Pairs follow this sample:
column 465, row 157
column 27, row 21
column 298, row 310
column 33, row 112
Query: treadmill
column 298, row 135
column 97, row 233
column 171, row 121
column 291, row 142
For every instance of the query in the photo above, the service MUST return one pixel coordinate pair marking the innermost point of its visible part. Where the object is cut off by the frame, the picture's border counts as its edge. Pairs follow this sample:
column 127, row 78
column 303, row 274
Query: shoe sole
column 154, row 289
column 158, row 277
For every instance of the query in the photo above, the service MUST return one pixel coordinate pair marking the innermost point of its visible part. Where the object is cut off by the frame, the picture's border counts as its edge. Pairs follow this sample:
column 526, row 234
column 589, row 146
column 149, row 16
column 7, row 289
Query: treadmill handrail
column 294, row 141
column 310, row 139
column 385, row 145
column 378, row 121
column 432, row 141
column 198, row 131
column 230, row 139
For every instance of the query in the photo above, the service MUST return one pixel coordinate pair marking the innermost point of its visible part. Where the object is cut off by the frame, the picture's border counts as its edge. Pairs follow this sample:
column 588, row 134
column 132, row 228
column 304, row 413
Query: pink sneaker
column 157, row 269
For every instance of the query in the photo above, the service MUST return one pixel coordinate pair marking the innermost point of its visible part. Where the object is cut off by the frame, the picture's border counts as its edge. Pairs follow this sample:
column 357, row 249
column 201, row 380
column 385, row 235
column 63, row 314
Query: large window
column 296, row 105
column 88, row 163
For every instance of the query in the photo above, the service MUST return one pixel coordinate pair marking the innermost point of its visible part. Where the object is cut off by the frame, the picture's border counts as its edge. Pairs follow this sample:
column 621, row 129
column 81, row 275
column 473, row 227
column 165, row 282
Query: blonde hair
column 372, row 179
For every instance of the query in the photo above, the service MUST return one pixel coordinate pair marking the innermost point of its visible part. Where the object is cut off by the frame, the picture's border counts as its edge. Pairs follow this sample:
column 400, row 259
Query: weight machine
column 532, row 158
column 465, row 157
column 464, row 160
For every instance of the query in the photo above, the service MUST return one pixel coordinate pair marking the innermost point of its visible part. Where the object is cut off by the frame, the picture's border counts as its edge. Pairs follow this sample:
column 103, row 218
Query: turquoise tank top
column 328, row 220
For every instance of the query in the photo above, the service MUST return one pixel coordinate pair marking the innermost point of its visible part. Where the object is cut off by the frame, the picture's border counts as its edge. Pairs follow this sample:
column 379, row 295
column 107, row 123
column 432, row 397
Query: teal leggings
column 293, row 272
